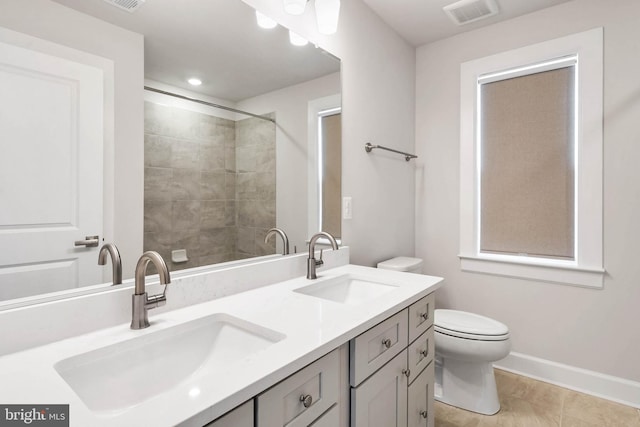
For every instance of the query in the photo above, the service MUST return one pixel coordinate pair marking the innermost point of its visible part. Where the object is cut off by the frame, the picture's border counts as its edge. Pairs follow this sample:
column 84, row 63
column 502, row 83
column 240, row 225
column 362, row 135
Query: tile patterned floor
column 530, row 403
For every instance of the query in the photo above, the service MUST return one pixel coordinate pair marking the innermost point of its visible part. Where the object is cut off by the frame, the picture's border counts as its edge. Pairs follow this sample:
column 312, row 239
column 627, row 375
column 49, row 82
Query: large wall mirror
column 215, row 179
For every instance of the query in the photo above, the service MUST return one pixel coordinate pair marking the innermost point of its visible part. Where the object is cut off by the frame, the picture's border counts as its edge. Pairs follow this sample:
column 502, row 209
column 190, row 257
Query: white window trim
column 587, row 269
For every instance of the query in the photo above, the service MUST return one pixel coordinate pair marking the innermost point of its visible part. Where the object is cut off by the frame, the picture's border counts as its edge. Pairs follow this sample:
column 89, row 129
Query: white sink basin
column 122, row 375
column 347, row 289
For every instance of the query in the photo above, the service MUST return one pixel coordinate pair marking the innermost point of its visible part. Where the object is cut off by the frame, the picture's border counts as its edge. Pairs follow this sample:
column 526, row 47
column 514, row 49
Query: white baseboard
column 589, row 382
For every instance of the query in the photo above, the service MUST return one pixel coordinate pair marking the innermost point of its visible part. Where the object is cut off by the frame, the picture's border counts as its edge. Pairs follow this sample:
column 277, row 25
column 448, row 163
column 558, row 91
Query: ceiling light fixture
column 194, row 81
column 327, row 13
column 264, row 21
column 296, row 39
column 294, row 7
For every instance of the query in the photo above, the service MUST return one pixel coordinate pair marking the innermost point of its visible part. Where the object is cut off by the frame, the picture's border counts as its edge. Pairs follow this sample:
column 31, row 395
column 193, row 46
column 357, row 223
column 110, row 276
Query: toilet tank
column 402, row 263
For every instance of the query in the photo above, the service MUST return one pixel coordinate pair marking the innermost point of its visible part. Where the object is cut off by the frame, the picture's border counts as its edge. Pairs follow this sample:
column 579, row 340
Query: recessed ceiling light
column 194, row 81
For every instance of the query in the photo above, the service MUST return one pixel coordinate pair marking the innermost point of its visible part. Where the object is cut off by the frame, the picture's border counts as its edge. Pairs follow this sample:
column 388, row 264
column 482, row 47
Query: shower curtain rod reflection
column 210, row 104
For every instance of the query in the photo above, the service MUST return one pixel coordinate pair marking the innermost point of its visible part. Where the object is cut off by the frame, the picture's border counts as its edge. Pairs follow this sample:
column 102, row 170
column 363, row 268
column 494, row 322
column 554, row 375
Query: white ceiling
column 423, row 21
column 217, row 41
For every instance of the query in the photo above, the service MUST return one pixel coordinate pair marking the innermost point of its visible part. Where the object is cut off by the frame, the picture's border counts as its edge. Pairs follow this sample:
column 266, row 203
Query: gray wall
column 209, row 185
column 585, row 328
column 255, row 186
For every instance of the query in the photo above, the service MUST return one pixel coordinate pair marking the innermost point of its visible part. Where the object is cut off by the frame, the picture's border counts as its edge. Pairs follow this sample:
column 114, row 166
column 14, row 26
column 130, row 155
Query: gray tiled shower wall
column 209, row 185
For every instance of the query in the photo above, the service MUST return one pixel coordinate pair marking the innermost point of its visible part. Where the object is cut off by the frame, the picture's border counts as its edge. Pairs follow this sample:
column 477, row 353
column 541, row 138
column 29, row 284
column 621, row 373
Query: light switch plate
column 347, row 208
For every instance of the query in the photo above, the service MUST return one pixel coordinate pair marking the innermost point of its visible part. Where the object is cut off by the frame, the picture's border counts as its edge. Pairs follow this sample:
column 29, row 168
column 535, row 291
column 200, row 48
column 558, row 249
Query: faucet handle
column 320, row 262
column 159, row 300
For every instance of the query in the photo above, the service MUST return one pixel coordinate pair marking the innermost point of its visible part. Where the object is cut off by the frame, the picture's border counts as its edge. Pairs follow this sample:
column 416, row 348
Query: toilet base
column 467, row 385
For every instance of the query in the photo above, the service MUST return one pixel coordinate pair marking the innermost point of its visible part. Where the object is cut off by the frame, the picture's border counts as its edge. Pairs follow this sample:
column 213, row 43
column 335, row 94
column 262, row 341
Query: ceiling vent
column 128, row 5
column 467, row 11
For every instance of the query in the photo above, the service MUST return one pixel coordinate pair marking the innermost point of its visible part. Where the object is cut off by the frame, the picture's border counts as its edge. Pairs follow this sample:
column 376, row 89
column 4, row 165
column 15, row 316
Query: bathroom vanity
column 390, row 381
column 299, row 352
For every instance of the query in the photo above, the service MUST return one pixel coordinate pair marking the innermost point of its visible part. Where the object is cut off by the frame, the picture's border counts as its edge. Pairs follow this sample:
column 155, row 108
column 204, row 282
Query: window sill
column 535, row 270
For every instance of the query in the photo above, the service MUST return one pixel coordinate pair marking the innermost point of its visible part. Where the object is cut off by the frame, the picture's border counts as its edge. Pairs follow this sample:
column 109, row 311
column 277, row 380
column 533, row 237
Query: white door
column 51, row 138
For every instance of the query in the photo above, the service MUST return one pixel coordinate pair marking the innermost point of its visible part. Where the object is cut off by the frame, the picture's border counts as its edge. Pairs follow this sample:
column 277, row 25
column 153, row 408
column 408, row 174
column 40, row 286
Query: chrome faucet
column 116, row 261
column 312, row 263
column 142, row 303
column 285, row 239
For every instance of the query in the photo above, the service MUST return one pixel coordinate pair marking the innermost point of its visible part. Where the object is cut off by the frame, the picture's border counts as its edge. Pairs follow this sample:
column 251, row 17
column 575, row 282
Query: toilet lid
column 469, row 325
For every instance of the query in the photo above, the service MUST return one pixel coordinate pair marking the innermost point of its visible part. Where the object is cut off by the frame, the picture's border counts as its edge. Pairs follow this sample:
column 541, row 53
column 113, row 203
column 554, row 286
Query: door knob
column 88, row 242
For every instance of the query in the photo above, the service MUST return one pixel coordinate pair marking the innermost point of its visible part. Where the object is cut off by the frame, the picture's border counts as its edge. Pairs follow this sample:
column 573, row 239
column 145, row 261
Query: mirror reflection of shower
column 209, row 182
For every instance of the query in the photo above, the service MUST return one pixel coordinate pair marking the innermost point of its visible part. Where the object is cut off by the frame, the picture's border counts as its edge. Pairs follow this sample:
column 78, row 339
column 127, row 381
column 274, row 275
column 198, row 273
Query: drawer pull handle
column 386, row 343
column 306, row 400
column 425, row 352
column 424, row 316
column 406, row 372
column 424, row 414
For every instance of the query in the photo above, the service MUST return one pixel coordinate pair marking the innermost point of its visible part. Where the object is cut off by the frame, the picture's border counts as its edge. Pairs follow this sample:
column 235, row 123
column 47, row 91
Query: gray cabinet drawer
column 420, row 353
column 421, row 316
column 375, row 347
column 284, row 404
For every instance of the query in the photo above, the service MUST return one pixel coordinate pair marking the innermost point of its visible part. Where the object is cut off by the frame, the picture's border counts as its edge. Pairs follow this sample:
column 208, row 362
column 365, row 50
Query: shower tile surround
column 209, row 185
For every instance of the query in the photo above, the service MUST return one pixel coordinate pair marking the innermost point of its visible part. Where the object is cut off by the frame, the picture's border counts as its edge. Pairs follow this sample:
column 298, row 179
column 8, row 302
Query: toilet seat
column 466, row 325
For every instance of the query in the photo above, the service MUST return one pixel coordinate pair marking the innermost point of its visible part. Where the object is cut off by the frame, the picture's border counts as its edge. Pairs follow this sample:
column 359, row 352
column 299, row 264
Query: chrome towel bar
column 368, row 147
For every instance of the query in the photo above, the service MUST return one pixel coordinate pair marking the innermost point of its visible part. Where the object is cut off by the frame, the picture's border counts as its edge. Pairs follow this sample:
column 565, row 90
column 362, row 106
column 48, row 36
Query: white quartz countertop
column 311, row 328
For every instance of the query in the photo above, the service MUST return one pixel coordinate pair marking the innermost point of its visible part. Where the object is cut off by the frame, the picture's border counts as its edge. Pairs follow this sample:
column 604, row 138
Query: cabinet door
column 420, row 409
column 381, row 400
column 242, row 416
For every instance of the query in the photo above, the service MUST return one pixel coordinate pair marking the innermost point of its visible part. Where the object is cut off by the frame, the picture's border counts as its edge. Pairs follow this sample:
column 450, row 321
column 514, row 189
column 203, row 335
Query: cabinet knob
column 406, row 372
column 306, row 400
column 386, row 343
column 424, row 316
column 425, row 352
column 424, row 414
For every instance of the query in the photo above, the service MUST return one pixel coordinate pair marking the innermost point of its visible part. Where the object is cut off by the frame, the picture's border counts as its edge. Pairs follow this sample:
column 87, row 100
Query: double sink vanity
column 352, row 347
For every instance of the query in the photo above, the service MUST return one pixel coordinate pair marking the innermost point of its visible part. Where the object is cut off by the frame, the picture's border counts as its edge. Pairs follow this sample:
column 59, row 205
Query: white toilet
column 402, row 263
column 466, row 344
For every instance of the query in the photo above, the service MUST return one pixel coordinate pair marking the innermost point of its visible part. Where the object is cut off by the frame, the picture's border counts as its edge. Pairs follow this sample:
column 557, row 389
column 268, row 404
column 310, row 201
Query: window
column 324, row 166
column 330, row 171
column 526, row 145
column 531, row 162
